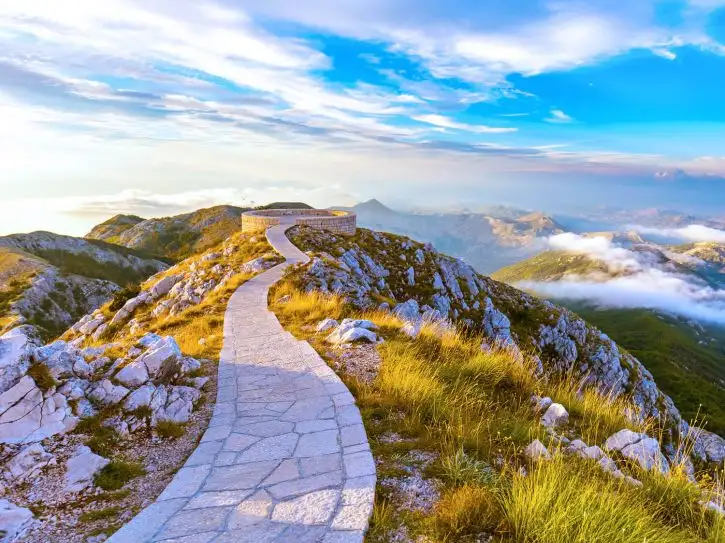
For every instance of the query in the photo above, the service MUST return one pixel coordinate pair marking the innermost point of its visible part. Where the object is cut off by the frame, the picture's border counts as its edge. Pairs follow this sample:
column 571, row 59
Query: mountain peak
column 372, row 206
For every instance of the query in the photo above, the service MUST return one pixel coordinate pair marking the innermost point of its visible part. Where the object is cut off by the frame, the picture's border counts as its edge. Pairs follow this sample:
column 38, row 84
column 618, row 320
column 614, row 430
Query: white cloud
column 692, row 232
column 446, row 122
column 639, row 279
column 558, row 116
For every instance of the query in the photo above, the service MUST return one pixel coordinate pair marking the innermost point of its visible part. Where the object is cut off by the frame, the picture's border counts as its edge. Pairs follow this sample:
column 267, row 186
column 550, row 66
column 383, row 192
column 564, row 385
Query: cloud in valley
column 641, row 280
column 693, row 232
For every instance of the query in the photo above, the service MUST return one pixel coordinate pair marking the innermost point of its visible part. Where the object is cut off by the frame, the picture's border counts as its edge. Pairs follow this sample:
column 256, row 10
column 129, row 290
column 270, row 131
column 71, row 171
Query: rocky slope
column 49, row 281
column 122, row 379
column 415, row 281
column 487, row 240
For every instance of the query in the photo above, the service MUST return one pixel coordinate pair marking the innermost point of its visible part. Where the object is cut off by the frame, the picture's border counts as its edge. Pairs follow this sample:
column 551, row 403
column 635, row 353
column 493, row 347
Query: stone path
column 285, row 457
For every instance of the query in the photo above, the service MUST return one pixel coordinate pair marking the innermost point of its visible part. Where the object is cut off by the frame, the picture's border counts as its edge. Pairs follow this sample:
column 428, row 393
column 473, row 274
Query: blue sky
column 129, row 105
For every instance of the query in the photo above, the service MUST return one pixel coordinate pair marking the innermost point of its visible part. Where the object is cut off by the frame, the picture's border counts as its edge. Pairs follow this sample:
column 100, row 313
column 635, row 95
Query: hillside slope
column 48, row 280
column 374, row 268
column 175, row 237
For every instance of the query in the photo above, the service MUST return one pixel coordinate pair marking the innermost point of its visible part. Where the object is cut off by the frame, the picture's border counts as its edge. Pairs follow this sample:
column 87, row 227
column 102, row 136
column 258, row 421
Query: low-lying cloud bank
column 693, row 233
column 642, row 280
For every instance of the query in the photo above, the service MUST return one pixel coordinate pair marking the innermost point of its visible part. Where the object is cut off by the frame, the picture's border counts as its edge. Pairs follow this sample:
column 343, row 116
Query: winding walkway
column 285, row 457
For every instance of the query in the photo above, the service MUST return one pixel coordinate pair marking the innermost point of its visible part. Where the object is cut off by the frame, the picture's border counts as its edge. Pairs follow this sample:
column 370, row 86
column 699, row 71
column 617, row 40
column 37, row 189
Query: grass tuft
column 169, row 429
column 117, row 473
column 42, row 376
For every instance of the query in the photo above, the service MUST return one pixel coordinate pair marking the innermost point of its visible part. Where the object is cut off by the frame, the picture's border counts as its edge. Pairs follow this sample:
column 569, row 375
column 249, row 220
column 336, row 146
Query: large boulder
column 82, row 468
column 133, row 375
column 15, row 349
column 708, row 447
column 555, row 415
column 14, row 521
column 27, row 415
column 28, row 463
column 162, row 358
column 327, row 324
column 408, row 311
column 536, row 451
column 639, row 448
column 141, row 397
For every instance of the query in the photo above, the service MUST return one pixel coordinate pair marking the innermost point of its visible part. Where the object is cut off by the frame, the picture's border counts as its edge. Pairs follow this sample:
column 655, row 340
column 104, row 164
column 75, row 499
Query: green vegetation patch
column 117, row 473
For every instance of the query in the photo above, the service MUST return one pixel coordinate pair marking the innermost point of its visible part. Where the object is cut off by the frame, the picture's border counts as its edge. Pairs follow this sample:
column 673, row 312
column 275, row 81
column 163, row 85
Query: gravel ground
column 58, row 513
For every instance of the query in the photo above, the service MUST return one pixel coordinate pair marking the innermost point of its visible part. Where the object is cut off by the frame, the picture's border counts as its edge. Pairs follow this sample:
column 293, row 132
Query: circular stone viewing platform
column 338, row 222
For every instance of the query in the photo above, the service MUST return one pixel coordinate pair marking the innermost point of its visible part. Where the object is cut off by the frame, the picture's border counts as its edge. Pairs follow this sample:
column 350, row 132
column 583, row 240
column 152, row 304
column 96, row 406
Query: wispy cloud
column 445, row 122
column 558, row 116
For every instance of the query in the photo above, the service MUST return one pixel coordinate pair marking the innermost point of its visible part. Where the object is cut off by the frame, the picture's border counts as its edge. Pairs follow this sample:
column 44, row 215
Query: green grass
column 117, row 473
column 101, row 514
column 549, row 266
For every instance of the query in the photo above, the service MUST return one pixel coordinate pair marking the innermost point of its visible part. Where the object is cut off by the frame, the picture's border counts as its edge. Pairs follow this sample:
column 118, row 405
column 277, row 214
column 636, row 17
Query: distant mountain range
column 487, row 241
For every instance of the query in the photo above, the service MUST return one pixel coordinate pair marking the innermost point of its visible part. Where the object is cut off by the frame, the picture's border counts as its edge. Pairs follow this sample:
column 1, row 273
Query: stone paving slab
column 285, row 456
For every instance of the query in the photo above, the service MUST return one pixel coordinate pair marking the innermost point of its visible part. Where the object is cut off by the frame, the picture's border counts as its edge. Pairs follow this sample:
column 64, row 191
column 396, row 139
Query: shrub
column 169, row 429
column 42, row 376
column 118, row 473
column 122, row 296
column 104, row 441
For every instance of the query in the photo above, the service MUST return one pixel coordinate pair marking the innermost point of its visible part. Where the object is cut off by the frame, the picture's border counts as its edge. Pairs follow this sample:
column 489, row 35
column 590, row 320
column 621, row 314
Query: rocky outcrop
column 14, row 521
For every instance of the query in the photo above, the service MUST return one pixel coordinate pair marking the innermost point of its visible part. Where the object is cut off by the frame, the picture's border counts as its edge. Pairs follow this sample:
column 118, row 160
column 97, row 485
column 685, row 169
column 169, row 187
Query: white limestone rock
column 82, row 468
column 164, row 354
column 91, row 326
column 15, row 348
column 134, row 374
column 26, row 416
column 257, row 265
column 536, row 451
column 411, row 329
column 408, row 311
column 14, row 521
column 640, row 448
column 351, row 335
column 176, row 405
column 555, row 415
column 163, row 287
column 141, row 397
column 107, row 393
column 28, row 463
column 327, row 324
